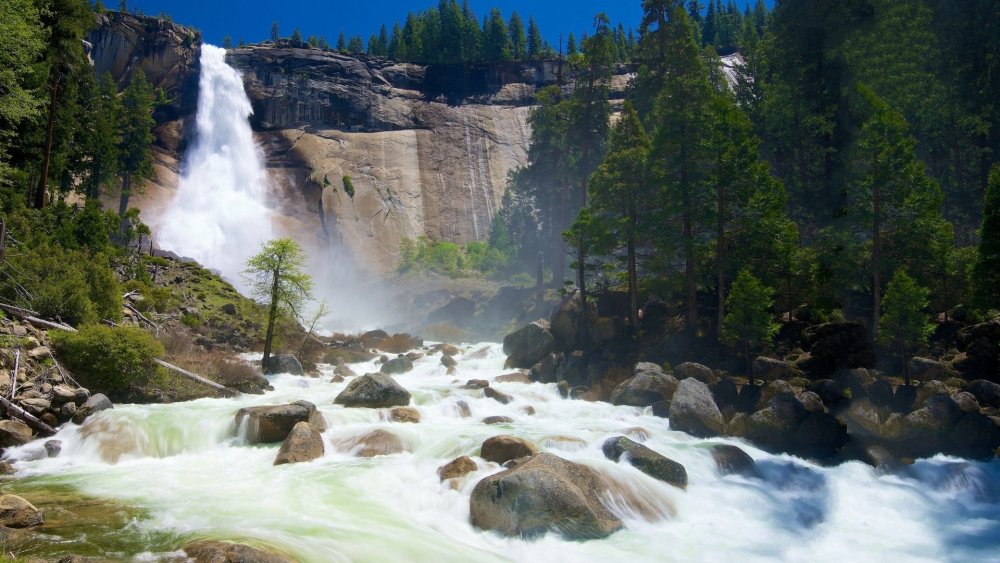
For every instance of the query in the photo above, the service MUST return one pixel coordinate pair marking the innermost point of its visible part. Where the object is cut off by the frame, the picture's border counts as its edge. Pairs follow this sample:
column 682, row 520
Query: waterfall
column 219, row 216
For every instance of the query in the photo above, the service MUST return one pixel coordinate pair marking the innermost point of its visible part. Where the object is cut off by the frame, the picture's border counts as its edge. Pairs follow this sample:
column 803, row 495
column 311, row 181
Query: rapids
column 182, row 473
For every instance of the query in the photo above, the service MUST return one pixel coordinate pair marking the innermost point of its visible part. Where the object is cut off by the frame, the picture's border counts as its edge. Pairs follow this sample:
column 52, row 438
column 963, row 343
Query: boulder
column 516, row 377
column 6, row 468
column 211, row 551
column 856, row 380
column 503, row 448
column 829, row 391
column 62, row 394
column 811, row 401
column 836, row 345
column 39, row 353
column 986, row 392
column 373, row 390
column 880, row 393
column 564, row 322
column 15, row 512
column 463, row 409
column 730, row 460
column 397, row 365
column 930, row 389
column 498, row 396
column 476, row 384
column 375, row 443
column 903, row 399
column 271, row 424
column 649, row 385
column 926, row 369
column 457, row 467
column 448, row 350
column 14, row 433
column 981, row 344
column 725, row 393
column 773, row 426
column 448, row 361
column 545, row 370
column 966, row 401
column 491, row 420
column 819, row 436
column 693, row 410
column 283, row 363
column 974, row 436
column 36, row 406
column 528, row 345
column 772, row 390
column 303, row 443
column 544, row 493
column 97, row 403
column 702, row 373
column 372, row 338
column 404, row 414
column 770, row 369
column 646, row 460
column 53, row 448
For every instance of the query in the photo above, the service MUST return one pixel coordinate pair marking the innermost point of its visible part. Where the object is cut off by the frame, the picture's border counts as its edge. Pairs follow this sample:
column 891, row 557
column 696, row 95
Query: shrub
column 112, row 360
column 348, row 187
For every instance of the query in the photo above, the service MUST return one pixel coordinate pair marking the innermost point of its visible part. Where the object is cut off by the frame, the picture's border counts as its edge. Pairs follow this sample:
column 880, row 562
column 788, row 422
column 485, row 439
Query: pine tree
column 274, row 32
column 749, row 326
column 534, row 40
column 135, row 155
column 23, row 38
column 397, row 47
column 571, row 45
column 296, row 36
column 342, row 43
column 382, row 43
column 496, row 39
column 986, row 273
column 355, row 46
column 904, row 326
column 102, row 138
column 518, row 39
column 227, row 42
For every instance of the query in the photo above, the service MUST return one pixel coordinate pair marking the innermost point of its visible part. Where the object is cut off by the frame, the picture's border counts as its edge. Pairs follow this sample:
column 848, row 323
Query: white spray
column 219, row 216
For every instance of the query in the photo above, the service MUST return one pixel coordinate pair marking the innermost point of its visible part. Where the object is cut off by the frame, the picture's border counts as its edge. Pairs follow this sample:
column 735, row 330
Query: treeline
column 66, row 139
column 452, row 33
column 841, row 174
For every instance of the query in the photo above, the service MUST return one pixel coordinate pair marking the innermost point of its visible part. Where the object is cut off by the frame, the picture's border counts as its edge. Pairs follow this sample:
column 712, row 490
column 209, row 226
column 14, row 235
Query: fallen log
column 195, row 377
column 49, row 324
column 26, row 416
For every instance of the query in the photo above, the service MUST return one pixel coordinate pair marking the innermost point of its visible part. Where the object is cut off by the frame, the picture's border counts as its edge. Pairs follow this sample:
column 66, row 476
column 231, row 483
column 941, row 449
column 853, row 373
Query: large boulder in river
column 271, row 424
column 544, row 493
column 528, row 345
column 283, row 363
column 15, row 512
column 211, row 551
column 646, row 460
column 649, row 385
column 836, row 345
column 694, row 370
column 564, row 322
column 14, row 433
column 693, row 410
column 374, row 443
column 732, row 460
column 397, row 365
column 303, row 443
column 503, row 448
column 374, row 390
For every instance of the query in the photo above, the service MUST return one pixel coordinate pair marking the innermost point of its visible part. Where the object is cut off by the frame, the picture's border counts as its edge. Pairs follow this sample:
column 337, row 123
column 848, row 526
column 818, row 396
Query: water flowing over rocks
column 541, row 494
column 270, row 424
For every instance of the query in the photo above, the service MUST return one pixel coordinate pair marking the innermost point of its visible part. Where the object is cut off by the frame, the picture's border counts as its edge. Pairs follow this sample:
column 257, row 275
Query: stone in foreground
column 541, row 494
column 693, row 410
column 503, row 448
column 271, row 424
column 374, row 390
column 302, row 444
column 457, row 468
column 210, row 551
column 15, row 512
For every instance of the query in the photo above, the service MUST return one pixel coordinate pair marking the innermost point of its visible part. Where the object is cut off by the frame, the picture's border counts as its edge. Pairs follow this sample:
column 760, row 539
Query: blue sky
column 251, row 19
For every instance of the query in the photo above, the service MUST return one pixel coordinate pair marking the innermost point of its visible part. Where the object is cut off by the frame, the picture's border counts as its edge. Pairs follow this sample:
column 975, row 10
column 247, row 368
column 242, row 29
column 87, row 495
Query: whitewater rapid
column 219, row 215
column 182, row 469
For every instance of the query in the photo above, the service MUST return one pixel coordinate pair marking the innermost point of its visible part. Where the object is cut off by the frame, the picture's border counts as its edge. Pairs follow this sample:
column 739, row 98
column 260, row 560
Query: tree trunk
column 746, row 352
column 271, row 316
column 876, row 252
column 123, row 205
column 720, row 259
column 633, row 289
column 540, row 281
column 49, row 134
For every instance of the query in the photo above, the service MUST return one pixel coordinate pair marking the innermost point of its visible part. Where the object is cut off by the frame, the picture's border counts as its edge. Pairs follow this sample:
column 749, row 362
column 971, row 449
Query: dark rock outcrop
column 373, row 390
column 283, row 363
column 541, row 494
column 836, row 345
column 528, row 345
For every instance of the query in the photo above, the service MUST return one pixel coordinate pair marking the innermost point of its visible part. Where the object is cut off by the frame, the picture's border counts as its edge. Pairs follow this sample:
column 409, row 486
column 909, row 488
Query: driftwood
column 195, row 377
column 27, row 417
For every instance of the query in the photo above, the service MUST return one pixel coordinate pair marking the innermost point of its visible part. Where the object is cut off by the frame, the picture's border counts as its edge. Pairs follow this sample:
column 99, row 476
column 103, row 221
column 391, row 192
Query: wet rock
column 271, row 424
column 725, row 393
column 880, row 393
column 545, row 370
column 516, row 377
column 544, row 493
column 882, row 460
column 448, row 361
column 457, row 467
column 836, row 345
column 373, row 390
column 649, row 385
column 966, row 402
column 637, row 433
column 498, row 396
column 448, row 350
column 397, row 365
column 463, row 409
column 491, row 420
column 283, row 363
column 97, row 403
column 731, row 460
column 903, row 399
column 344, row 371
column 563, row 388
column 302, row 444
column 693, row 410
column 404, row 414
column 811, row 401
column 646, row 460
column 53, row 448
column 503, row 448
column 413, row 356
column 528, row 410
column 375, row 443
column 15, row 512
column 770, row 369
column 661, row 409
column 702, row 373
column 6, row 468
column 14, row 433
column 476, row 384
column 819, row 436
column 211, row 551
column 528, row 345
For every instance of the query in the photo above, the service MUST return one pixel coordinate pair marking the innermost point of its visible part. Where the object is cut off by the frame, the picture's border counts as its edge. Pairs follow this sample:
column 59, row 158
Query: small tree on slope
column 748, row 325
column 904, row 325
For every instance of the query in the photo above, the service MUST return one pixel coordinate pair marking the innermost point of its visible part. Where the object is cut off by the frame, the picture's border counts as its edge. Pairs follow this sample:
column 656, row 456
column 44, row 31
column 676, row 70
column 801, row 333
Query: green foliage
column 276, row 276
column 23, row 36
column 112, row 360
column 450, row 259
column 904, row 326
column 748, row 324
column 348, row 186
column 986, row 274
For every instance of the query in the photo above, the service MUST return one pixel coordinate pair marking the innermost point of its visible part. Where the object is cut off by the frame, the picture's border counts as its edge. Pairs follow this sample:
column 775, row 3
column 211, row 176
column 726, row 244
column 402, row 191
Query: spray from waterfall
column 219, row 216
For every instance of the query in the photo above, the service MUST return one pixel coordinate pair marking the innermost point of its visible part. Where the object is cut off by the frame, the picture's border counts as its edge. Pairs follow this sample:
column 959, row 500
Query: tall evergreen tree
column 23, row 38
column 135, row 155
column 534, row 40
column 905, row 326
column 986, row 273
column 101, row 130
column 749, row 325
column 518, row 38
column 496, row 39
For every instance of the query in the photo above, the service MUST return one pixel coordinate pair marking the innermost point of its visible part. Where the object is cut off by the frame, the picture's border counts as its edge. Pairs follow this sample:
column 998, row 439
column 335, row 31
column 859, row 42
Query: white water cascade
column 164, row 475
column 219, row 216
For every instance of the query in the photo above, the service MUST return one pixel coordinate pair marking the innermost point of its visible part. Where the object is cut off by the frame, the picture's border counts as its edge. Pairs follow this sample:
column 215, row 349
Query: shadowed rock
column 646, row 460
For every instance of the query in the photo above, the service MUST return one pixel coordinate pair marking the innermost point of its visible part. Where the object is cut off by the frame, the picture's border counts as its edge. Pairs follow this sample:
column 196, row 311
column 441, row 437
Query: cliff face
column 428, row 149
